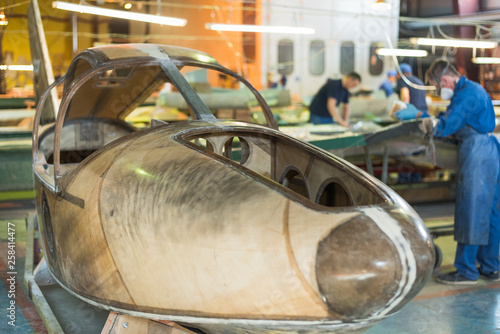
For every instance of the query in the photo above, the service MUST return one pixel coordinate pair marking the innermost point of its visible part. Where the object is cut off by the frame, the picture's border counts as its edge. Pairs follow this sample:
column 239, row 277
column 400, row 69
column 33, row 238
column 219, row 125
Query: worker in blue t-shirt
column 411, row 95
column 416, row 108
column 387, row 85
column 324, row 105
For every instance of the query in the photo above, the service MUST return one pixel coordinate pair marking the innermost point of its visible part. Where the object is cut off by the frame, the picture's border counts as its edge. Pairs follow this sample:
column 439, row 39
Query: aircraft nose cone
column 360, row 268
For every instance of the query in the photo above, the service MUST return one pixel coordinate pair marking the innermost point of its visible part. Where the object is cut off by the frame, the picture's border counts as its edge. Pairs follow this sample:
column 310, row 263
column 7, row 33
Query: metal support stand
column 368, row 160
column 385, row 164
column 34, row 292
column 122, row 324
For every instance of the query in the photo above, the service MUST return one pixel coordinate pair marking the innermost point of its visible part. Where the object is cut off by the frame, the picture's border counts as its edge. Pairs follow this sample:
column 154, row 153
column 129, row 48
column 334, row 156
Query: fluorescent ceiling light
column 486, row 60
column 170, row 21
column 401, row 52
column 3, row 20
column 257, row 28
column 456, row 43
column 16, row 67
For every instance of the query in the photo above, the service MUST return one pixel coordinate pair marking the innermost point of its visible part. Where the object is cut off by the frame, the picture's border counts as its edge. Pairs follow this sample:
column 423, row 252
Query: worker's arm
column 456, row 115
column 331, row 105
column 410, row 112
column 346, row 113
column 404, row 95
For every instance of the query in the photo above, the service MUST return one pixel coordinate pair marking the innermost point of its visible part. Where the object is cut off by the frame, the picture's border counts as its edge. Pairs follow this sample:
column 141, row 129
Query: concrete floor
column 445, row 309
column 436, row 309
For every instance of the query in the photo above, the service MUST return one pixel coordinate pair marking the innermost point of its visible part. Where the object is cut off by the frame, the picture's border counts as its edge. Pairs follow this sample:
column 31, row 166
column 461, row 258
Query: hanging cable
column 438, row 26
column 398, row 68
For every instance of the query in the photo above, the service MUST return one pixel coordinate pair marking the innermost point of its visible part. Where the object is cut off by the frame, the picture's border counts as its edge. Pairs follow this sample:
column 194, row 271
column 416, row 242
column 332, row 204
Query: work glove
column 407, row 114
column 428, row 127
column 428, row 124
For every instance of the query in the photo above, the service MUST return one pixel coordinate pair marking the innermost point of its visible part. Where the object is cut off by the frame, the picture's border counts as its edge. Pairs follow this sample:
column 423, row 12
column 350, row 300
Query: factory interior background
column 288, row 67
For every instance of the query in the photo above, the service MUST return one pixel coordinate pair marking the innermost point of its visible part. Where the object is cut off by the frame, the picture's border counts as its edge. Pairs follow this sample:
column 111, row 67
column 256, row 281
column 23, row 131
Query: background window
column 317, row 57
column 285, row 57
column 346, row 57
column 376, row 63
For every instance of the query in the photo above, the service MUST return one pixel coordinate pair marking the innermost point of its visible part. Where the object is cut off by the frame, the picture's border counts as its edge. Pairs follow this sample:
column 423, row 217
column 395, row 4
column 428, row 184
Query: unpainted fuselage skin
column 223, row 225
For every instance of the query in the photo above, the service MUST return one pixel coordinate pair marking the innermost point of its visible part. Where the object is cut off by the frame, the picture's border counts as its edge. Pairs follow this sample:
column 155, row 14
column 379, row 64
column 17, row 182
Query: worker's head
column 405, row 68
column 442, row 74
column 351, row 81
column 392, row 76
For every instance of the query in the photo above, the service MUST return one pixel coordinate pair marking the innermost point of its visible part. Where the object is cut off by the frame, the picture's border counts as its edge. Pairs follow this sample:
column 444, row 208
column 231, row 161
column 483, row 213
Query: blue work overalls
column 471, row 117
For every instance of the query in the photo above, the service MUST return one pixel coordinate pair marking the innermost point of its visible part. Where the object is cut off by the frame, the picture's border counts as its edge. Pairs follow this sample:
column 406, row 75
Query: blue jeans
column 410, row 177
column 486, row 256
column 315, row 119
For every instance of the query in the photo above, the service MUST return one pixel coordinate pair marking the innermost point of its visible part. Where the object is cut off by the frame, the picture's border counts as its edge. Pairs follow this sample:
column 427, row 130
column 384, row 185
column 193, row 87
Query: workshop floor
column 445, row 309
column 437, row 308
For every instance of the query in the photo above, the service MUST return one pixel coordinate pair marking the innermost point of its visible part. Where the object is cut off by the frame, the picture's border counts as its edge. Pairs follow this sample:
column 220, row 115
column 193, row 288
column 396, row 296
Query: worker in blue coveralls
column 470, row 116
column 387, row 85
column 324, row 105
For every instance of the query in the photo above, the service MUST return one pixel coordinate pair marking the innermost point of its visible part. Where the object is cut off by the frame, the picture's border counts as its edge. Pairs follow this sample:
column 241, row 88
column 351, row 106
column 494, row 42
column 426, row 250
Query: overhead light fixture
column 486, row 60
column 128, row 5
column 3, row 20
column 456, row 43
column 119, row 14
column 401, row 52
column 16, row 67
column 257, row 28
column 381, row 5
